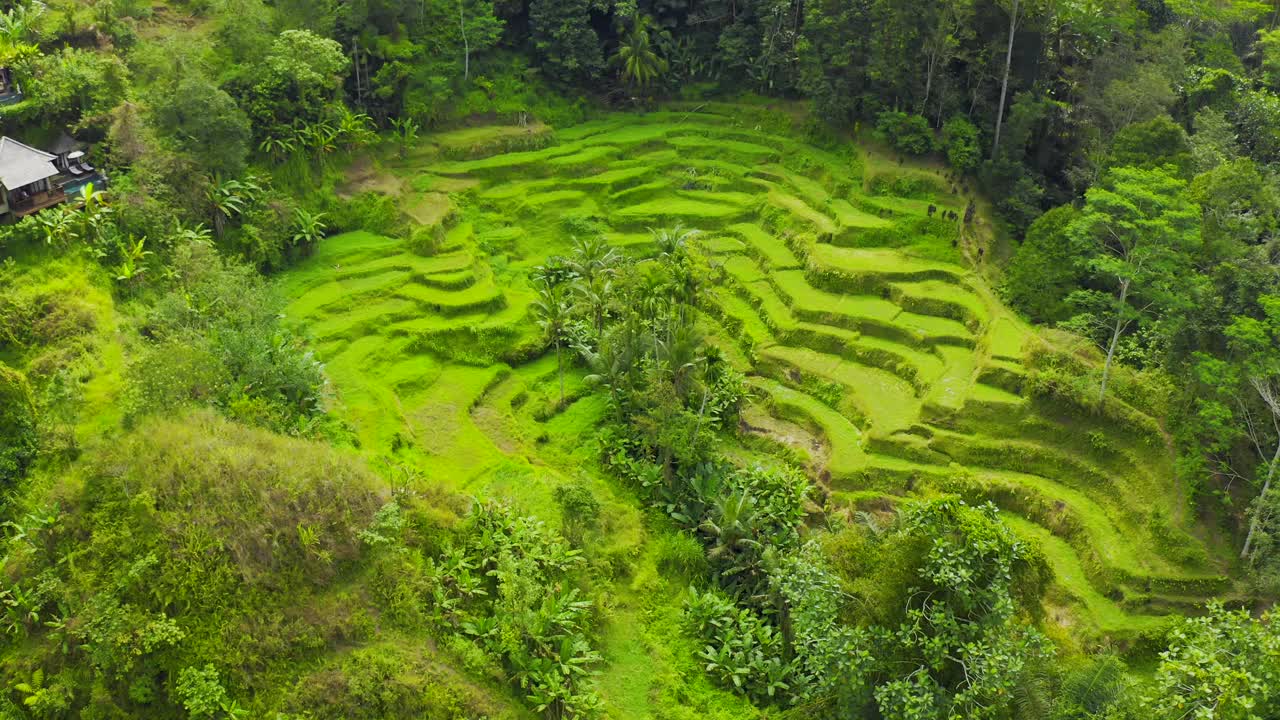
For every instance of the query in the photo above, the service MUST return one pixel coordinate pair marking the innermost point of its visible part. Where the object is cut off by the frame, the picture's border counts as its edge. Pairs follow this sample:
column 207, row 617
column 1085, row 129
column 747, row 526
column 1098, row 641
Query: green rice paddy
column 894, row 371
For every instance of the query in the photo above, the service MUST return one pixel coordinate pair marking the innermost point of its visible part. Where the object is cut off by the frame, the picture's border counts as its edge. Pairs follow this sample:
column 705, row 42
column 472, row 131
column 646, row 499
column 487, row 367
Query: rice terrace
column 876, row 355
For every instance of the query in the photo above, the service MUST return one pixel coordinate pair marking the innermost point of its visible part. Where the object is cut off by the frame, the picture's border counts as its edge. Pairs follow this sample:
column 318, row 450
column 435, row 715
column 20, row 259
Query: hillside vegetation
column 640, row 360
column 873, row 356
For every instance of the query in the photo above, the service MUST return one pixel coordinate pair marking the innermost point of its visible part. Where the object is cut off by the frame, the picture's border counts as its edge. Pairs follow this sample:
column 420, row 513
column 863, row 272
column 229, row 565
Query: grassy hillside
column 287, row 576
column 877, row 356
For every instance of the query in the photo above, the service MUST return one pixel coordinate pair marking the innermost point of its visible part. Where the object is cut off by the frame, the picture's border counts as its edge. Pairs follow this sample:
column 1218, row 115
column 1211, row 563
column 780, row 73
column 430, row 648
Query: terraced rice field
column 873, row 352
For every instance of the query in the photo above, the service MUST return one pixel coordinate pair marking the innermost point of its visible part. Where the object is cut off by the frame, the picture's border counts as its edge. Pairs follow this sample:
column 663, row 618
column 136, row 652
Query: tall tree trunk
column 928, row 82
column 1253, row 525
column 560, row 366
column 1004, row 85
column 1115, row 339
column 466, row 46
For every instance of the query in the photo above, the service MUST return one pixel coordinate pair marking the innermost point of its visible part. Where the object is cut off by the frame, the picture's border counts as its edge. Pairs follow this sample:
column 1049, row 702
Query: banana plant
column 355, row 129
column 406, row 133
column 278, row 148
column 308, row 228
column 228, row 199
column 57, row 225
column 132, row 254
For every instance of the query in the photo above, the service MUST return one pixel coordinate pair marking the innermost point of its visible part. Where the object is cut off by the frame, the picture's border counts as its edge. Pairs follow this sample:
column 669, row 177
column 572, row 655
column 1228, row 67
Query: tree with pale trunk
column 1257, row 342
column 1137, row 233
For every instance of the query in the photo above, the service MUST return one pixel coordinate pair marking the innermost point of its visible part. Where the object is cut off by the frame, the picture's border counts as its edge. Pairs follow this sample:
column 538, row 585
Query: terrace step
column 884, row 399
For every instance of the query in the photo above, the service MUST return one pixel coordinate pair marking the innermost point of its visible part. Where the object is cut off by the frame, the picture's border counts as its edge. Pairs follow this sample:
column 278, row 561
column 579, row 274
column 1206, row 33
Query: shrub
column 200, row 692
column 680, row 554
column 1045, row 269
column 906, row 184
column 196, row 541
column 743, row 652
column 18, row 438
column 371, row 211
column 906, row 133
column 386, row 681
column 579, row 510
column 216, row 339
column 425, row 241
column 960, row 139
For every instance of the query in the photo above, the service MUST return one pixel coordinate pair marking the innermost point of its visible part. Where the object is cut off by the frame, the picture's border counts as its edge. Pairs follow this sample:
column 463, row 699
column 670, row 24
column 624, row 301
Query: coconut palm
column 732, row 532
column 595, row 263
column 637, row 58
column 553, row 309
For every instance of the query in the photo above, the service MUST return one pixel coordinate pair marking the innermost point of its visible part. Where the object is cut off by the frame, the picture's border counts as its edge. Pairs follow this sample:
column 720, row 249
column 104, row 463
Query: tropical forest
column 639, row 359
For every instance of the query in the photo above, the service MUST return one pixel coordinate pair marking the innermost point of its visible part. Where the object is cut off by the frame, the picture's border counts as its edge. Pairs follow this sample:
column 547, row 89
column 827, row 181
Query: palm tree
column 553, row 310
column 674, row 242
column 595, row 263
column 639, row 61
column 732, row 530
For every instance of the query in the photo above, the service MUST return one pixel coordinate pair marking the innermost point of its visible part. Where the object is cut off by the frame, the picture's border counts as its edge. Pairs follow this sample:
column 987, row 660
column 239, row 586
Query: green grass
column 888, row 402
column 850, row 217
column 770, row 250
column 685, row 209
column 797, row 208
column 1101, row 612
column 878, row 262
column 847, row 458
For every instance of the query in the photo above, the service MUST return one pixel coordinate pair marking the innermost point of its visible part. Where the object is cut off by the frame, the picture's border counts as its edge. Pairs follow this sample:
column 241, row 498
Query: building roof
column 65, row 144
column 22, row 164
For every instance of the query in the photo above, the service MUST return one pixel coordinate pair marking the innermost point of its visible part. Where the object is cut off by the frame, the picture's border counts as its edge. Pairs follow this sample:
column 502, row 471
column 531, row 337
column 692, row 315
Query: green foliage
column 1046, row 268
column 74, row 85
column 184, row 543
column 391, row 680
column 215, row 338
column 294, row 83
column 1238, row 206
column 200, row 692
column 564, row 39
column 637, row 60
column 742, row 651
column 1153, row 144
column 961, row 141
column 1221, row 665
column 206, row 122
column 960, row 631
column 579, row 510
column 18, row 434
column 906, row 133
column 506, row 586
column 369, row 211
column 1140, row 232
